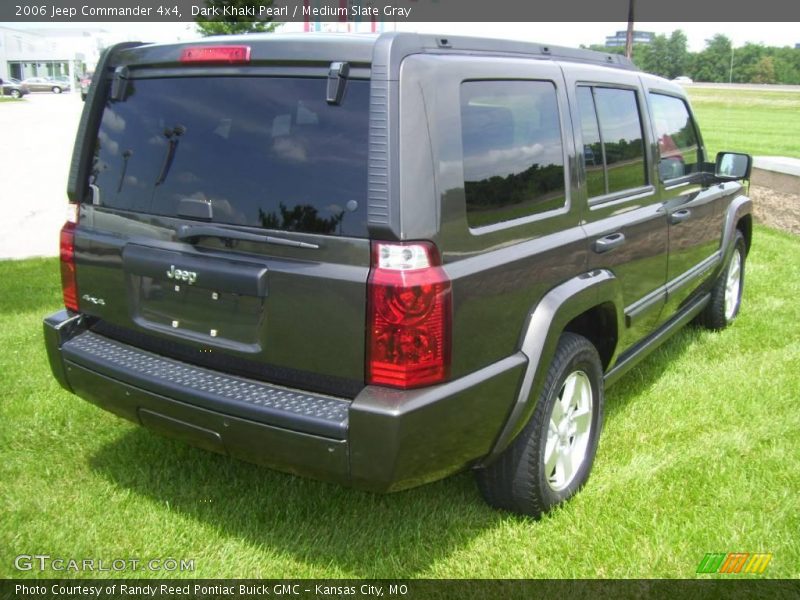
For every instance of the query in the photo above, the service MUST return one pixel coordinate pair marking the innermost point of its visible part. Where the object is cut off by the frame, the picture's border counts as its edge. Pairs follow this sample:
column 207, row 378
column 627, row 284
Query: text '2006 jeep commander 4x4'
column 383, row 260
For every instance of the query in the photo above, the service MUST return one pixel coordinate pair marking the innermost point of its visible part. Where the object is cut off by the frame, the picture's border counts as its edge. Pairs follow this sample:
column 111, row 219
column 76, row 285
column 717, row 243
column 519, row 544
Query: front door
column 694, row 208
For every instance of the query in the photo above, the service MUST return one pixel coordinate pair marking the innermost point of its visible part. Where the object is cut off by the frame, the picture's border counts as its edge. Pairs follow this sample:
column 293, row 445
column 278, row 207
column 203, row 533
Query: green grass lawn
column 761, row 123
column 700, row 453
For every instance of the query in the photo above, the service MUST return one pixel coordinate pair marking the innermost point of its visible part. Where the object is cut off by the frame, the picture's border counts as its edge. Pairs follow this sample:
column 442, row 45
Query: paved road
column 36, row 138
column 746, row 86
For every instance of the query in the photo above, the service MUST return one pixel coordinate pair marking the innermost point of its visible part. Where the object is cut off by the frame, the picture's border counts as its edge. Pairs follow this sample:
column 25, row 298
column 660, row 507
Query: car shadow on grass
column 323, row 525
column 359, row 534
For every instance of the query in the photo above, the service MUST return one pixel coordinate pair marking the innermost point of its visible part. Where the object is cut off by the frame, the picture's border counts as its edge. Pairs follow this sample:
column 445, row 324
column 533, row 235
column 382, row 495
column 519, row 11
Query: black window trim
column 622, row 196
column 602, row 142
column 549, row 214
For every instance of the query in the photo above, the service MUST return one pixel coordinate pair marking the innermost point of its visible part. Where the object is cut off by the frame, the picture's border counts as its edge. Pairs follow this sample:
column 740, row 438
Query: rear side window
column 513, row 156
column 679, row 151
column 612, row 125
column 263, row 152
column 592, row 146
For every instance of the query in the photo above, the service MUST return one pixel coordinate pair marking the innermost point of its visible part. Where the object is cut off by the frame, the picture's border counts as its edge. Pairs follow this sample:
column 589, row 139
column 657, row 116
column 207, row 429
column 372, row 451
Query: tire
column 56, row 89
column 16, row 94
column 726, row 295
column 528, row 477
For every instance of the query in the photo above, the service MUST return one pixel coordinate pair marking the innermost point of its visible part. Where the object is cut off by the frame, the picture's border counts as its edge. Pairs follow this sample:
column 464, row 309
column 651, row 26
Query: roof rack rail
column 489, row 46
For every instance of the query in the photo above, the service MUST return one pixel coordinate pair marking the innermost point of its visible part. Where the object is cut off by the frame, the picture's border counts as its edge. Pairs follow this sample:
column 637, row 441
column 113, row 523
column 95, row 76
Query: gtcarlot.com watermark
column 45, row 562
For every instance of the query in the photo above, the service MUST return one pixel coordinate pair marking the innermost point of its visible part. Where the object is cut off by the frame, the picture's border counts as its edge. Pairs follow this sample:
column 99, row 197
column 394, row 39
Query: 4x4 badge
column 93, row 300
column 188, row 276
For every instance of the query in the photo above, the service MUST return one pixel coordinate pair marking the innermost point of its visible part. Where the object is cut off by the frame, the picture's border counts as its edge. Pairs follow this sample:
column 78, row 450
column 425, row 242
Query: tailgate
column 226, row 226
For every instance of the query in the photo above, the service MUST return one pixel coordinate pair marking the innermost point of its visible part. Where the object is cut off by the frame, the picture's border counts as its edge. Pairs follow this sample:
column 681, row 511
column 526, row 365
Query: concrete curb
column 779, row 173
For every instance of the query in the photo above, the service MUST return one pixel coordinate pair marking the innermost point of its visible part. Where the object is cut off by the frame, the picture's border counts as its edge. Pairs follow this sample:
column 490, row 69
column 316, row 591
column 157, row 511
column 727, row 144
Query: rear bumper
column 383, row 440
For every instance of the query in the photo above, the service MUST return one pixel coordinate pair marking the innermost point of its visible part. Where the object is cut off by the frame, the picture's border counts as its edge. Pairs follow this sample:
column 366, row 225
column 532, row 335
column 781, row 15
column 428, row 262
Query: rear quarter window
column 263, row 152
column 512, row 149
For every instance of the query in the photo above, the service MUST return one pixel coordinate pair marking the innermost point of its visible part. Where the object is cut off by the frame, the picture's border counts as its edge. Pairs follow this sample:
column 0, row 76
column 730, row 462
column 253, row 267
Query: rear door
column 624, row 219
column 226, row 225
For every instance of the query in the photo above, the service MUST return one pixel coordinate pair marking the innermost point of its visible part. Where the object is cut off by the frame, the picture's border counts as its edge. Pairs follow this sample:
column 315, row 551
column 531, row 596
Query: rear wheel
column 56, row 89
column 726, row 295
column 552, row 457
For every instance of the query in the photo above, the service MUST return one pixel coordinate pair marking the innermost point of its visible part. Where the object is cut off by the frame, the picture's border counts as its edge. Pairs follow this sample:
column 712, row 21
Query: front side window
column 259, row 151
column 513, row 155
column 611, row 123
column 679, row 151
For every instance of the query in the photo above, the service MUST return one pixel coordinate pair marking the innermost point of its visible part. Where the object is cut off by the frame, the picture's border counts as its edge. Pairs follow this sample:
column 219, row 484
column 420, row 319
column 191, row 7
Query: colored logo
column 734, row 562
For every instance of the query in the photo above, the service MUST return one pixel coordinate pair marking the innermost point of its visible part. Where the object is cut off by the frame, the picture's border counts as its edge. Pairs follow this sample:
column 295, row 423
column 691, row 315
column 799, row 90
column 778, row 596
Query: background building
column 49, row 52
column 639, row 37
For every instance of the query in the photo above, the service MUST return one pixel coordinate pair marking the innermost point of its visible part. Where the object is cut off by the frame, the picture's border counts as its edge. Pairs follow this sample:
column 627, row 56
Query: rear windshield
column 264, row 152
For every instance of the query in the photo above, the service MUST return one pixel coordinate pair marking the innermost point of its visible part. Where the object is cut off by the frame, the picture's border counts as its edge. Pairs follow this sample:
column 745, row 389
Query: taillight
column 227, row 55
column 408, row 316
column 69, row 284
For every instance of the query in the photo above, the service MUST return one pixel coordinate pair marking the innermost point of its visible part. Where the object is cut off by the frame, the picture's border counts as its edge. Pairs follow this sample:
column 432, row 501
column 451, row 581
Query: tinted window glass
column 513, row 158
column 267, row 152
column 679, row 152
column 621, row 129
column 592, row 149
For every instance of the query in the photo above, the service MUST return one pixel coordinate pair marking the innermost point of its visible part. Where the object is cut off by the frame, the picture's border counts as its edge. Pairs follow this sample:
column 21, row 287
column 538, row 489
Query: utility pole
column 730, row 73
column 629, row 36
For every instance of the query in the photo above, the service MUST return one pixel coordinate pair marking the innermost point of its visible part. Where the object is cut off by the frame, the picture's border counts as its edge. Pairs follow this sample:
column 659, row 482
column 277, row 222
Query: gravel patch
column 776, row 209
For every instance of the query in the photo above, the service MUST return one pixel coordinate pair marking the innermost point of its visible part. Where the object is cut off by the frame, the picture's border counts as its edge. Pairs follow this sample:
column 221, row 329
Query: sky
column 564, row 34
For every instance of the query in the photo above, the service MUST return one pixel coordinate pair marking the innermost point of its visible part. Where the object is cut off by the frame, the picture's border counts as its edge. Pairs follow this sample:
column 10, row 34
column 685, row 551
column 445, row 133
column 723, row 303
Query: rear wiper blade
column 173, row 138
column 191, row 232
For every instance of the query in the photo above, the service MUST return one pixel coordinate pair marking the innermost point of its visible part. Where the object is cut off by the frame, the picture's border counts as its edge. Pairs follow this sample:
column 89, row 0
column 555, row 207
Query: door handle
column 609, row 242
column 679, row 216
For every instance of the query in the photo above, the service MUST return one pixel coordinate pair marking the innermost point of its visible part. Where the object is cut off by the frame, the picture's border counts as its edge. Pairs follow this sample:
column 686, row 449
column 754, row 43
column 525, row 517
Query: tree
column 787, row 65
column 719, row 62
column 663, row 56
column 678, row 54
column 604, row 49
column 653, row 57
column 714, row 62
column 225, row 17
column 745, row 61
column 764, row 71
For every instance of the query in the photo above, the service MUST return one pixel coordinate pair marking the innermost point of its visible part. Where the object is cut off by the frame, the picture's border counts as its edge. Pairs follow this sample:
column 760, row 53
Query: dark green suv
column 383, row 260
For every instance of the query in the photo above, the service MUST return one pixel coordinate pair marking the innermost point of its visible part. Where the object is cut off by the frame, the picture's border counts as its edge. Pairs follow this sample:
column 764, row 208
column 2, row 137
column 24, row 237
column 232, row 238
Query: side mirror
column 731, row 166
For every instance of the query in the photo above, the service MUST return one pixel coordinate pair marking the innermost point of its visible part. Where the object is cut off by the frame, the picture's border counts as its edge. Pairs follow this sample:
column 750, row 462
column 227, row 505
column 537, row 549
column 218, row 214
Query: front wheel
column 726, row 295
column 16, row 94
column 550, row 460
column 56, row 89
